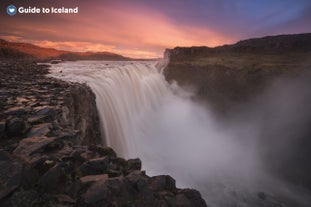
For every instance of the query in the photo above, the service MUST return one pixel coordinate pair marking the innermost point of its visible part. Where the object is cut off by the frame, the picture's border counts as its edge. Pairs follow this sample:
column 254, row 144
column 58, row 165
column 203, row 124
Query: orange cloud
column 116, row 30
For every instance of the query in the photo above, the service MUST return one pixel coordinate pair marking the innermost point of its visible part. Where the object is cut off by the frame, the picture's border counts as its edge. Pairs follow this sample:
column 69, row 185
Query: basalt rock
column 44, row 162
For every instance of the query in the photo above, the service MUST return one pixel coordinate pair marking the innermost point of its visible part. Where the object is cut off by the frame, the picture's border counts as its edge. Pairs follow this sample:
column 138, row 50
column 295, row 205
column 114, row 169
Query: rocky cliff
column 49, row 152
column 238, row 82
column 234, row 73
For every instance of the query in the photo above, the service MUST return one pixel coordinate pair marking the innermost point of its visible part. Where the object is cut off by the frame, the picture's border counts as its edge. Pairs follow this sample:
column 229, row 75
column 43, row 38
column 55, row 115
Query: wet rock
column 53, row 181
column 163, row 182
column 32, row 145
column 10, row 177
column 38, row 119
column 17, row 126
column 95, row 166
column 45, row 111
column 40, row 130
column 103, row 150
column 90, row 179
column 15, row 111
column 64, row 199
column 134, row 164
column 112, row 190
column 191, row 197
column 98, row 192
column 68, row 134
column 23, row 199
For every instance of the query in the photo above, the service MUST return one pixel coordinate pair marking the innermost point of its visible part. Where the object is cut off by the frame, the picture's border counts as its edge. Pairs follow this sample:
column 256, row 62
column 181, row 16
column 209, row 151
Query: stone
column 90, row 179
column 64, row 199
column 40, row 130
column 103, row 150
column 163, row 182
column 53, row 180
column 95, row 166
column 17, row 126
column 15, row 111
column 38, row 119
column 45, row 110
column 10, row 177
column 183, row 201
column 134, row 164
column 193, row 196
column 29, row 146
column 97, row 192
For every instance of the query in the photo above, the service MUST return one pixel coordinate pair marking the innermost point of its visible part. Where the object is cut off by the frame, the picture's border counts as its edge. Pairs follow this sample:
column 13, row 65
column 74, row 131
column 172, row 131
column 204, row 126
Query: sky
column 144, row 28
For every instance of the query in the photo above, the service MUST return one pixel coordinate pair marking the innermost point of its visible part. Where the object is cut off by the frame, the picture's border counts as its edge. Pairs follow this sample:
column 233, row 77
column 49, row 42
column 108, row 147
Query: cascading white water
column 124, row 91
column 144, row 116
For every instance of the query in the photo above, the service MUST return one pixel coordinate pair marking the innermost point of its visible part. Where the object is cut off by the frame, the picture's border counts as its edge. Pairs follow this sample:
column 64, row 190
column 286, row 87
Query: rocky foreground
column 49, row 152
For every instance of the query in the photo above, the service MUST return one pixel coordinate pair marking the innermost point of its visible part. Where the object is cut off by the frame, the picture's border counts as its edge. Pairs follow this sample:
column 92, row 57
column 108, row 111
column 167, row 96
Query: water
column 143, row 116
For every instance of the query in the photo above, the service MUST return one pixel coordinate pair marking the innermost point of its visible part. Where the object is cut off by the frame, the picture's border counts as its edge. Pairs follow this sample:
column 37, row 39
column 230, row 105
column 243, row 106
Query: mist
column 237, row 160
column 233, row 160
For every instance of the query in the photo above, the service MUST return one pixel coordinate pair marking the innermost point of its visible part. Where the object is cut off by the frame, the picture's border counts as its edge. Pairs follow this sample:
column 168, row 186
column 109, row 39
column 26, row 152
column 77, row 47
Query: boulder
column 95, row 166
column 40, row 130
column 10, row 177
column 29, row 146
column 163, row 182
column 134, row 164
column 191, row 197
column 45, row 110
column 17, row 110
column 17, row 126
column 53, row 181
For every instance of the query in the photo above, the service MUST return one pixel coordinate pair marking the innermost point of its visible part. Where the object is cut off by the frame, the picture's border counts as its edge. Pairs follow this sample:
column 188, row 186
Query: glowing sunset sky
column 144, row 28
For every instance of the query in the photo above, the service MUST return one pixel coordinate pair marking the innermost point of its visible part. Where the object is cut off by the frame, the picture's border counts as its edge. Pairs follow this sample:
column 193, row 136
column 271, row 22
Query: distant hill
column 29, row 51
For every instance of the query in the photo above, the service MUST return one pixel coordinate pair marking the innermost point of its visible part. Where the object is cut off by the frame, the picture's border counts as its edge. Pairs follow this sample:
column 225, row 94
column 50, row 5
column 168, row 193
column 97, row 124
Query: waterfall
column 144, row 116
column 124, row 91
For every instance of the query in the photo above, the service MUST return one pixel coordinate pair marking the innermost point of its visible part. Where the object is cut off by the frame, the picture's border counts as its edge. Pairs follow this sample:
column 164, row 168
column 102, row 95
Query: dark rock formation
column 232, row 74
column 49, row 152
column 229, row 77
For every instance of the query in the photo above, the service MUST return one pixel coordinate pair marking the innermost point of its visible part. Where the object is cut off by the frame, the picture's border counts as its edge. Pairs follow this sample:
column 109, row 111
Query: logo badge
column 11, row 10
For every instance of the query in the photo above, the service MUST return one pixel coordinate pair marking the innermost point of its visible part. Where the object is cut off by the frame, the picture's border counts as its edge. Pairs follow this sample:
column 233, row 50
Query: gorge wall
column 234, row 73
column 263, row 82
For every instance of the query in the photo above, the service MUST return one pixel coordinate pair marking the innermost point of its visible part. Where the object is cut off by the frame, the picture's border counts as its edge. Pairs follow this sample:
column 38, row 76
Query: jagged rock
column 103, row 150
column 53, row 181
column 38, row 119
column 17, row 126
column 163, row 182
column 10, row 177
column 45, row 111
column 64, row 199
column 40, row 130
column 95, row 166
column 68, row 134
column 112, row 190
column 134, row 164
column 15, row 111
column 192, row 196
column 90, row 179
column 32, row 145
